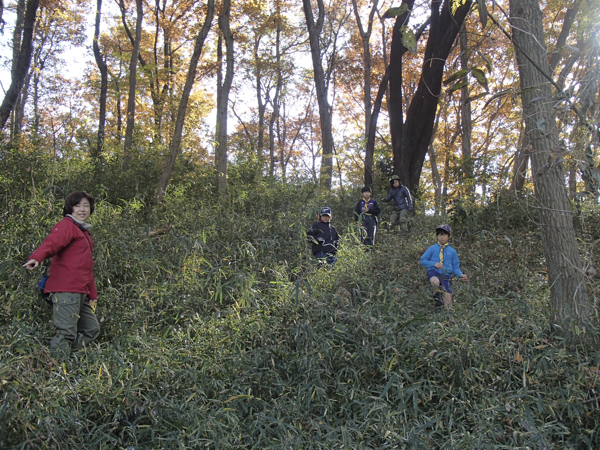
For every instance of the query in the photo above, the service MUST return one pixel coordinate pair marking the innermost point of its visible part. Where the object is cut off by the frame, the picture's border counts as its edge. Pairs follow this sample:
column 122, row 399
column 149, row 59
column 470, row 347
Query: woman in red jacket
column 71, row 277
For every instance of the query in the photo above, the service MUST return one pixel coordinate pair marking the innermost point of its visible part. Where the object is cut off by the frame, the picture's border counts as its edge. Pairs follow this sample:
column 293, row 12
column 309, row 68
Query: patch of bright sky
column 75, row 58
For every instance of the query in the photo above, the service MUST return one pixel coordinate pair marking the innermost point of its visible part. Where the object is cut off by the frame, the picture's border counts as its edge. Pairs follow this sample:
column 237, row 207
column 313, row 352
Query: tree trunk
column 19, row 109
column 568, row 295
column 411, row 139
column 435, row 172
column 465, row 119
column 223, row 89
column 366, row 38
column 314, row 30
column 276, row 98
column 21, row 63
column 262, row 107
column 152, row 71
column 130, row 122
column 396, row 102
column 437, row 181
column 96, row 155
column 183, row 103
column 521, row 162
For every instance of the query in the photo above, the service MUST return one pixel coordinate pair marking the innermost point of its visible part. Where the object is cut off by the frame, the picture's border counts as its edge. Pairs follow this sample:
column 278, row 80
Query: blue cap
column 325, row 211
column 443, row 227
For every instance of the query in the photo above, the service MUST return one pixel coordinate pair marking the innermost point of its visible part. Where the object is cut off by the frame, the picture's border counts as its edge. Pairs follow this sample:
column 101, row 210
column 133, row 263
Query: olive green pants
column 75, row 323
column 400, row 217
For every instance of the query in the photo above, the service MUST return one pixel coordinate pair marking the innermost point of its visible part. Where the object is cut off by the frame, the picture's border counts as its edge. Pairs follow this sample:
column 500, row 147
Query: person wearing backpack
column 71, row 277
column 402, row 203
column 366, row 212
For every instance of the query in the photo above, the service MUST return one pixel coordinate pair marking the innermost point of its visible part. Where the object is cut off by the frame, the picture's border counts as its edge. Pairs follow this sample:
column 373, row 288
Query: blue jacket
column 401, row 198
column 451, row 262
column 324, row 238
column 374, row 209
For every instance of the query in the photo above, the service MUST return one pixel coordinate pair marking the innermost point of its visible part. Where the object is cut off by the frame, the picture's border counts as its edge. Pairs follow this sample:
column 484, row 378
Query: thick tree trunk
column 130, row 122
column 102, row 67
column 223, row 89
column 314, row 30
column 183, row 103
column 568, row 295
column 521, row 162
column 21, row 63
column 396, row 75
column 411, row 139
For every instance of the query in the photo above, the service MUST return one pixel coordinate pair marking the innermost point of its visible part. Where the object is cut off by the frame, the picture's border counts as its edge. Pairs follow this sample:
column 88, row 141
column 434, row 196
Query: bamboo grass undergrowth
column 221, row 333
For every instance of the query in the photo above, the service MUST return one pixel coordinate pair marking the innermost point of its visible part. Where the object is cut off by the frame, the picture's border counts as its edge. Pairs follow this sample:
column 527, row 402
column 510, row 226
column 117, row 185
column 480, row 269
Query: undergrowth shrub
column 219, row 332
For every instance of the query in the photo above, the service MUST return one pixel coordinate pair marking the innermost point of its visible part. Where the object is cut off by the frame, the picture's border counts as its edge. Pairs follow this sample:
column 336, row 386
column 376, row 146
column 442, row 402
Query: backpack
column 41, row 287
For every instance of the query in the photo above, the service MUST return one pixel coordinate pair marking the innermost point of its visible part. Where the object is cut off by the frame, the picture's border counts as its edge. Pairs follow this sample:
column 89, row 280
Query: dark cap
column 443, row 227
column 325, row 211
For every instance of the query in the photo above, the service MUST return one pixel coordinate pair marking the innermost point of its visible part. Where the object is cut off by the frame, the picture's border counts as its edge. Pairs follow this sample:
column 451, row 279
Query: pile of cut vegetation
column 219, row 332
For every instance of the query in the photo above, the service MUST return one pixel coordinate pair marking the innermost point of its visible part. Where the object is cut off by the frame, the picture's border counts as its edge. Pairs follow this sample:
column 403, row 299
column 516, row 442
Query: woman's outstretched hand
column 31, row 264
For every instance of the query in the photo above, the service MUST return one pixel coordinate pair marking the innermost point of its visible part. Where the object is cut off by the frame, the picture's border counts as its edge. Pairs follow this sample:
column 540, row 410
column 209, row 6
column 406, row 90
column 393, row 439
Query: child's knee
column 435, row 281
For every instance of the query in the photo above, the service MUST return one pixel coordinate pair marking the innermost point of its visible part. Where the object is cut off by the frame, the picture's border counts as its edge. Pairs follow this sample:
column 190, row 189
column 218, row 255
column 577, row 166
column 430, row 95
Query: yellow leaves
column 518, row 357
column 455, row 4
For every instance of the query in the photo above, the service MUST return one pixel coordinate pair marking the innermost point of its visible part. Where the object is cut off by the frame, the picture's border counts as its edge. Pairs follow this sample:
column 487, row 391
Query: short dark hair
column 366, row 189
column 74, row 198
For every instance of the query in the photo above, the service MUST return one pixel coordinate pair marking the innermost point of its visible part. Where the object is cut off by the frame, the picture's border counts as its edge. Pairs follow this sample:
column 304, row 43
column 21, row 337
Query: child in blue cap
column 366, row 212
column 324, row 238
column 441, row 261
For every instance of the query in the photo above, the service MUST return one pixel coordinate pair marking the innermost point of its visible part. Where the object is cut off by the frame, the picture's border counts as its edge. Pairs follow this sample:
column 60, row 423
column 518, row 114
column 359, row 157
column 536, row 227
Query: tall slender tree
column 466, row 125
column 365, row 36
column 130, row 121
column 322, row 87
column 183, row 103
column 103, row 68
column 21, row 61
column 568, row 295
column 223, row 89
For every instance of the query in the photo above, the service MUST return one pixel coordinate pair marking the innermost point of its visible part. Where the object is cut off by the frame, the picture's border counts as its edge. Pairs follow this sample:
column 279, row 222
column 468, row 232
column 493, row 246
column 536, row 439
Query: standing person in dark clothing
column 324, row 238
column 402, row 203
column 366, row 211
column 71, row 277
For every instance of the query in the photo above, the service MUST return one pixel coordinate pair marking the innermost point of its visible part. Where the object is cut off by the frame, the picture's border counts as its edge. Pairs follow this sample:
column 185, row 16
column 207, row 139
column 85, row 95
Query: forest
column 211, row 133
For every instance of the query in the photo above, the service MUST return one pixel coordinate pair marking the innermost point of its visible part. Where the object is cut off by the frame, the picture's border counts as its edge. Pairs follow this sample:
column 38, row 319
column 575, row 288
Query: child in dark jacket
column 441, row 261
column 71, row 277
column 402, row 203
column 324, row 238
column 366, row 211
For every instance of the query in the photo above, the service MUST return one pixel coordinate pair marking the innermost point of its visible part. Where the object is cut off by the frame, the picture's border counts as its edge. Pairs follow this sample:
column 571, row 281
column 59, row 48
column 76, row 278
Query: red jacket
column 72, row 267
